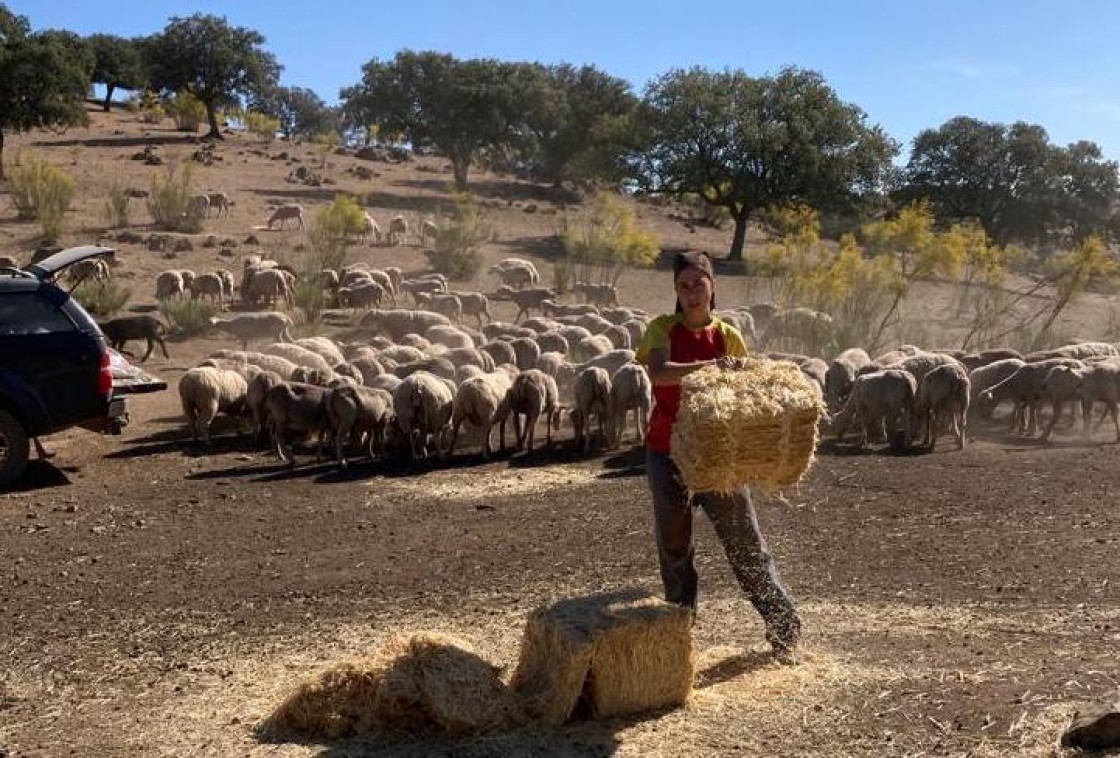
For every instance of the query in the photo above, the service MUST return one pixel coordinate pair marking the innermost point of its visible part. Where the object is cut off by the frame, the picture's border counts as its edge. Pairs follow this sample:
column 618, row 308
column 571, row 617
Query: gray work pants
column 736, row 524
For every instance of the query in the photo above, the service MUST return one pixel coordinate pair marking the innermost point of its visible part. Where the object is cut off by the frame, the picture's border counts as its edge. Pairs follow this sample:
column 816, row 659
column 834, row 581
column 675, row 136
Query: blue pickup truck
column 56, row 371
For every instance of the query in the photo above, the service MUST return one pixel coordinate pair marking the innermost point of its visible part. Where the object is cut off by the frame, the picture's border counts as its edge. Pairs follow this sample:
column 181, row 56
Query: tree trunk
column 108, row 97
column 461, row 165
column 739, row 240
column 2, row 177
column 212, row 118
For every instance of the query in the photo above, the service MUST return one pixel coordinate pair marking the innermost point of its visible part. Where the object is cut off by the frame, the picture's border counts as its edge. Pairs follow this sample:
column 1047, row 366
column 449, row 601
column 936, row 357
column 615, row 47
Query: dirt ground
column 160, row 599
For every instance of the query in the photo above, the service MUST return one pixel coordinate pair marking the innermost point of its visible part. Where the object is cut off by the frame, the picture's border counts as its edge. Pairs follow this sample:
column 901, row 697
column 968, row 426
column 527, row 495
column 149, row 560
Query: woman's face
column 694, row 291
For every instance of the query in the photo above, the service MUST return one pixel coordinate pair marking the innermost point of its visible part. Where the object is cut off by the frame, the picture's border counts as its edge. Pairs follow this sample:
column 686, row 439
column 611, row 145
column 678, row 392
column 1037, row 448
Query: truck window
column 28, row 313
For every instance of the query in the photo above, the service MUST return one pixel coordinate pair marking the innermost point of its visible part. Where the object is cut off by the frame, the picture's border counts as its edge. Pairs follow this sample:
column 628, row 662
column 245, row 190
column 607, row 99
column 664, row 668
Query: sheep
column 228, row 282
column 187, row 276
column 371, row 230
column 573, row 334
column 145, row 327
column 353, row 412
column 474, row 304
column 95, row 269
column 552, row 308
column 288, row 212
column 469, row 356
column 423, row 404
column 591, row 347
column 762, row 313
column 440, row 367
column 880, row 397
column 294, row 407
column 501, row 352
column 612, row 361
column 1099, row 382
column 799, row 326
column 540, row 324
column 316, row 376
column 516, row 272
column 592, row 322
column 532, row 394
column 500, row 330
column 402, row 354
column 362, row 294
column 840, row 375
column 299, row 355
column 593, row 396
column 246, row 370
column 631, row 389
column 478, row 400
column 604, row 295
column 170, row 284
column 428, row 230
column 526, row 299
column 208, row 285
column 450, row 337
column 258, row 387
column 367, row 367
column 636, row 329
column 218, row 202
column 387, row 382
column 417, row 341
column 815, row 369
column 398, row 228
column 526, row 351
column 198, row 206
column 618, row 315
column 973, row 361
column 1078, row 350
column 418, row 288
column 1022, row 387
column 206, row 391
column 619, row 337
column 397, row 323
column 942, row 403
column 449, row 305
column 553, row 342
column 743, row 322
column 550, row 363
column 270, row 286
column 985, row 377
column 396, row 276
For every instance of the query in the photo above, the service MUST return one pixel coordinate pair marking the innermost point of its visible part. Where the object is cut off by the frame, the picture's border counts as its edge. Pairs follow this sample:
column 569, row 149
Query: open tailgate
column 131, row 380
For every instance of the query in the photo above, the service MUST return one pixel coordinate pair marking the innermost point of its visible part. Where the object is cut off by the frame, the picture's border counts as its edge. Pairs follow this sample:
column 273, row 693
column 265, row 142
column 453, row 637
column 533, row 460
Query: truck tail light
column 105, row 376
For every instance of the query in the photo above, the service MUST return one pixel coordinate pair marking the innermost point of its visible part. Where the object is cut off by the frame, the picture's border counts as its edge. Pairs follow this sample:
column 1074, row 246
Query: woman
column 673, row 346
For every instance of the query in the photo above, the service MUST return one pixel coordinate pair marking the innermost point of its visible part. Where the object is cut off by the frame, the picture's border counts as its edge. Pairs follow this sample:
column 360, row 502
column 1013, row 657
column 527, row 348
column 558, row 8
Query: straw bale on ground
column 751, row 426
column 415, row 683
column 605, row 655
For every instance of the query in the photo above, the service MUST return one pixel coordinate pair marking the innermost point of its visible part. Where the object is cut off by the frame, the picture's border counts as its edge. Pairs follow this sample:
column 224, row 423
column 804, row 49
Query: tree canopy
column 435, row 100
column 301, row 112
column 1012, row 180
column 218, row 63
column 747, row 143
column 42, row 80
column 117, row 63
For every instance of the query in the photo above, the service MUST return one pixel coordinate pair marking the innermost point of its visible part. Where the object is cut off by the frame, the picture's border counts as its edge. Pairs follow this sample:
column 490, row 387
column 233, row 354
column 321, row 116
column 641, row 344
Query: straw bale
column 756, row 425
column 608, row 655
column 415, row 683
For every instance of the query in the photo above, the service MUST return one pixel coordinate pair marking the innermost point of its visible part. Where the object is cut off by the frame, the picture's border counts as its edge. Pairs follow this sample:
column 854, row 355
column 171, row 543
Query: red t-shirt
column 685, row 345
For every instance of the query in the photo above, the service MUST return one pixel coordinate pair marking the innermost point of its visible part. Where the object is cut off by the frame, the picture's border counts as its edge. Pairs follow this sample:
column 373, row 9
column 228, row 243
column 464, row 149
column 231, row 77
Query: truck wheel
column 13, row 449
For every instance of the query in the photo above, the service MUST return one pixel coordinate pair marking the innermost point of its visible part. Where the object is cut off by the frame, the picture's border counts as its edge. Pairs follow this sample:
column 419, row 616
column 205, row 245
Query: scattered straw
column 753, row 426
column 412, row 683
column 621, row 653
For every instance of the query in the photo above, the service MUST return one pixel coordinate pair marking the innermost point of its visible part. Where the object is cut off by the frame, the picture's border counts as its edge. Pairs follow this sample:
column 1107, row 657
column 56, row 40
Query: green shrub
column 262, row 125
column 563, row 275
column 310, row 297
column 188, row 318
column 456, row 253
column 101, row 298
column 188, row 111
column 330, row 232
column 41, row 190
column 116, row 206
column 169, row 202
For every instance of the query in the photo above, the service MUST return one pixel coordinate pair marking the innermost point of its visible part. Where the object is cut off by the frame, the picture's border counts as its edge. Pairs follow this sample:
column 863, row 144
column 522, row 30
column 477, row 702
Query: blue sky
column 910, row 64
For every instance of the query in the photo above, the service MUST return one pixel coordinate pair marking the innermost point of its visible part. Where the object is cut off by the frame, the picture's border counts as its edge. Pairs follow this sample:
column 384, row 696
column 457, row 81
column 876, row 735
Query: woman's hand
column 729, row 363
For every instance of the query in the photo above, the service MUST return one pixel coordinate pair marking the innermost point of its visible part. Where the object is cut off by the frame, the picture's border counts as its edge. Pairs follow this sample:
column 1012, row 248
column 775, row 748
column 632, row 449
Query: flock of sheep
column 412, row 377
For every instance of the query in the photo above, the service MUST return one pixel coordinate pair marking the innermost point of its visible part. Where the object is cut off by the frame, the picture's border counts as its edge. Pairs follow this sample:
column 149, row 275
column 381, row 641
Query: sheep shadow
column 41, row 475
column 309, row 194
column 625, row 464
column 160, row 141
column 732, row 668
column 550, row 248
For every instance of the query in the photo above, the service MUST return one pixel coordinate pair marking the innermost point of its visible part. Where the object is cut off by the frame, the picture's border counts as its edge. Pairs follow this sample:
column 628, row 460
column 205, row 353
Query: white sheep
column 170, row 284
column 593, row 396
column 269, row 286
column 288, row 212
column 398, row 228
column 1078, row 350
column 248, row 327
column 942, row 403
column 500, row 351
column 983, row 378
column 631, row 390
column 365, row 293
column 527, row 352
column 423, row 404
column 449, row 305
column 880, row 398
column 478, row 400
column 258, row 387
column 299, row 355
column 526, row 299
column 1023, row 388
column 973, row 361
column 605, row 295
column 356, row 412
column 552, row 342
column 474, row 304
column 449, row 336
column 218, row 202
column 540, row 325
column 841, row 374
column 371, row 230
column 428, row 231
column 501, row 330
column 208, row 285
column 397, row 323
column 206, row 391
column 532, row 394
